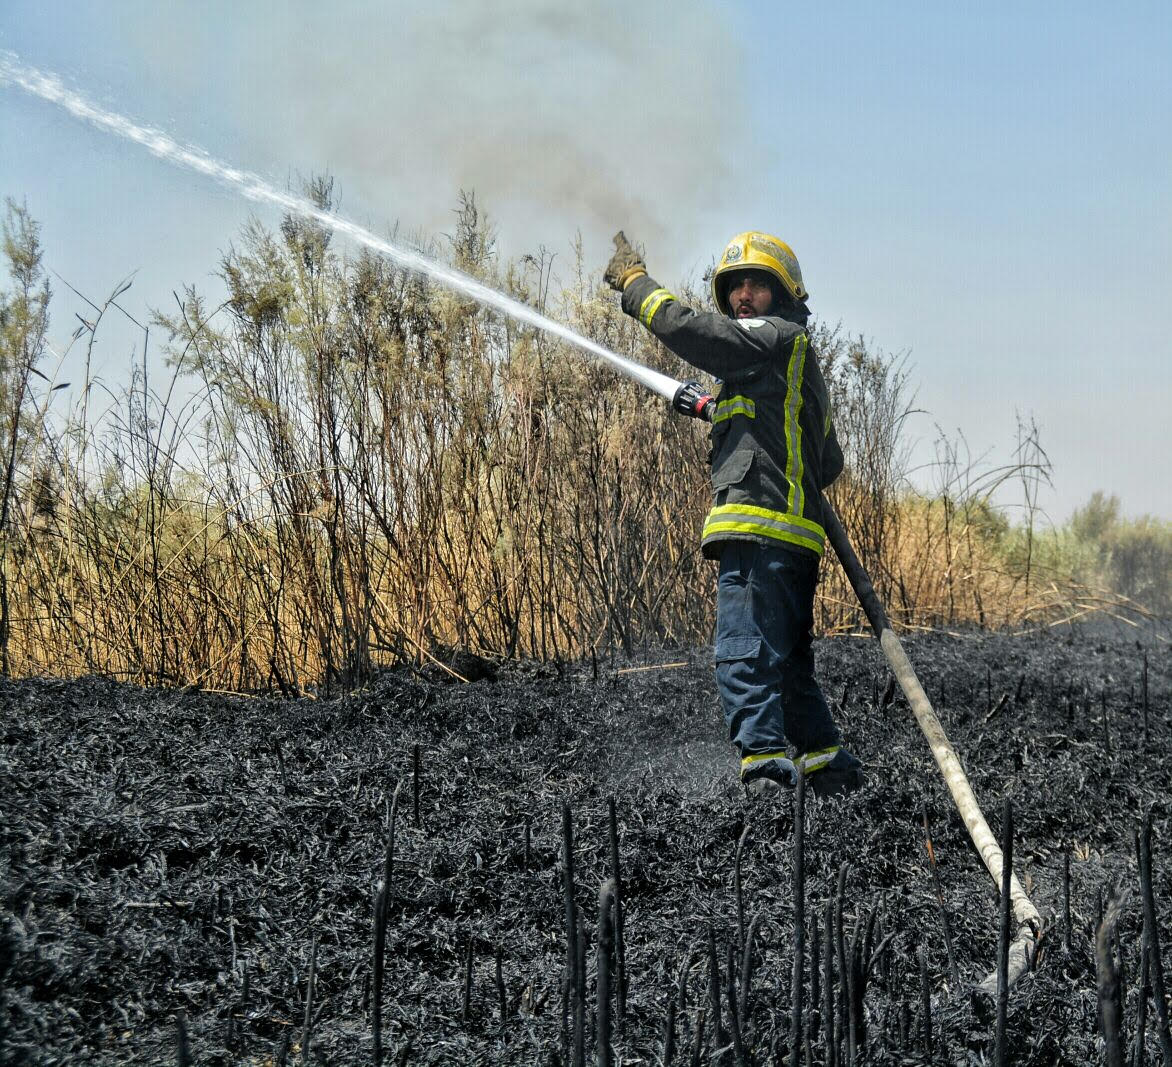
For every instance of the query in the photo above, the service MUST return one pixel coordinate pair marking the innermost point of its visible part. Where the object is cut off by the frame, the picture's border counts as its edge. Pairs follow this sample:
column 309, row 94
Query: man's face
column 749, row 294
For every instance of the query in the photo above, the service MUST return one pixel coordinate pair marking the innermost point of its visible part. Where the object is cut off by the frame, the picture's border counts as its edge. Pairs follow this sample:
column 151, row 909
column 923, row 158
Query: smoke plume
column 560, row 118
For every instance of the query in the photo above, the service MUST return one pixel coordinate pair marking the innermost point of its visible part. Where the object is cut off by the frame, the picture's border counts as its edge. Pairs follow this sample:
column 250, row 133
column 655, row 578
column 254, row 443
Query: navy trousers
column 764, row 653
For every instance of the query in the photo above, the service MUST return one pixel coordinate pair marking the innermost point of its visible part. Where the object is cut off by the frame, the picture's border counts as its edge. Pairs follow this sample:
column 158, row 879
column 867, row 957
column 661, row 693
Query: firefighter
column 774, row 451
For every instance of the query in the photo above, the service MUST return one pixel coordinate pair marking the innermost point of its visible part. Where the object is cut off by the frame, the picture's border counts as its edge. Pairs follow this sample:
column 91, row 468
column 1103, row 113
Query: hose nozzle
column 691, row 400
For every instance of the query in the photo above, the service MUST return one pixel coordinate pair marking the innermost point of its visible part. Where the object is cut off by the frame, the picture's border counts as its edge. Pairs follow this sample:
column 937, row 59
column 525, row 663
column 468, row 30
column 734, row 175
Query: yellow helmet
column 759, row 251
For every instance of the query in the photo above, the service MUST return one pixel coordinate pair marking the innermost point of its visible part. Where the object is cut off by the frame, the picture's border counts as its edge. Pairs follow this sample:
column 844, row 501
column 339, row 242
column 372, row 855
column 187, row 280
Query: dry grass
column 347, row 468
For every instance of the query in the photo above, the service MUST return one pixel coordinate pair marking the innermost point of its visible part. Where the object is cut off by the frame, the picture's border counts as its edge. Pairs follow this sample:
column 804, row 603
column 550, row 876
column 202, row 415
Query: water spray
column 50, row 88
column 686, row 397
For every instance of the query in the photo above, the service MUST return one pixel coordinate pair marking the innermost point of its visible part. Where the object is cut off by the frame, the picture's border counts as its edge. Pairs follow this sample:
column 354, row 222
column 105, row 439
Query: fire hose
column 689, row 398
column 686, row 397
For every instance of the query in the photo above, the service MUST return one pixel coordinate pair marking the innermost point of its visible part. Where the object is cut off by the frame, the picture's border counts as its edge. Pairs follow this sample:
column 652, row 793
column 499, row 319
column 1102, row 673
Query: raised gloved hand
column 625, row 265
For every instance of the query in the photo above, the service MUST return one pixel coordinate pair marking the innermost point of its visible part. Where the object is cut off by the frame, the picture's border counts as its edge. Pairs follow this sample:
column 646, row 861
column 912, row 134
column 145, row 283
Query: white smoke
column 561, row 118
column 158, row 143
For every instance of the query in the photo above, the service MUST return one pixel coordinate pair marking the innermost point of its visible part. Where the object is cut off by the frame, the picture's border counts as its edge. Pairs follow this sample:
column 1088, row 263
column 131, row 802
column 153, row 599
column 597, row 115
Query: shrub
column 350, row 467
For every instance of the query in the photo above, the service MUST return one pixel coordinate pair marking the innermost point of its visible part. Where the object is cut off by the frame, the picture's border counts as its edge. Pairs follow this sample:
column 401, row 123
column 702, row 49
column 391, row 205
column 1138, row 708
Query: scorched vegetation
column 175, row 855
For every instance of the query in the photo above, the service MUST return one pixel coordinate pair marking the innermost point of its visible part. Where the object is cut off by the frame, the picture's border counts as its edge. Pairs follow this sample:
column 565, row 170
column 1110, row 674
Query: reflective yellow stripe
column 735, row 405
column 763, row 522
column 788, row 518
column 748, row 761
column 656, row 299
column 816, row 761
column 826, row 424
column 762, row 531
column 795, row 500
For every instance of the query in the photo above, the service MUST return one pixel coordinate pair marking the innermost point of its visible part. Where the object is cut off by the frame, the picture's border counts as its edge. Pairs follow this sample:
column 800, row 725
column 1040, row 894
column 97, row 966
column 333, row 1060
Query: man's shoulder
column 784, row 328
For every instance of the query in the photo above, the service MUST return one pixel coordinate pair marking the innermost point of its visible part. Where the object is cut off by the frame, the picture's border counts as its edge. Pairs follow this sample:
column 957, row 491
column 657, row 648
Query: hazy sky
column 985, row 188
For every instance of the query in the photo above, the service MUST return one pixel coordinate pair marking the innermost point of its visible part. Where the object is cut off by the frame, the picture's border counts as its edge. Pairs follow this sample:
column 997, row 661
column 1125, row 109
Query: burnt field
column 180, row 862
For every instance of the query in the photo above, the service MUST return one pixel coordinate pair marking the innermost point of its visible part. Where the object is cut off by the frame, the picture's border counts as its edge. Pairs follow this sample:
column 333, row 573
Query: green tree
column 1096, row 519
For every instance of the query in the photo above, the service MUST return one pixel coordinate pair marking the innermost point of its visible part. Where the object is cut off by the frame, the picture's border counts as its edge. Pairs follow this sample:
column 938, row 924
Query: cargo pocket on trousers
column 737, row 647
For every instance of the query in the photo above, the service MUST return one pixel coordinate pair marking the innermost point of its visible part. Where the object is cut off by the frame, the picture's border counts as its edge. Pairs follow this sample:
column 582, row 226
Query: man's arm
column 722, row 347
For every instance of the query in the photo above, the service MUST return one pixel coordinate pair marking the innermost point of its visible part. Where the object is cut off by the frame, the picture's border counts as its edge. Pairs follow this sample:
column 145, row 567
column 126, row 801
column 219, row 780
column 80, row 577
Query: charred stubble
column 181, row 867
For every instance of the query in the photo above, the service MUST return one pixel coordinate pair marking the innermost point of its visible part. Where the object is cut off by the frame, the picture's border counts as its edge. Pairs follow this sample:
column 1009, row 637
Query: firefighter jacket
column 773, row 443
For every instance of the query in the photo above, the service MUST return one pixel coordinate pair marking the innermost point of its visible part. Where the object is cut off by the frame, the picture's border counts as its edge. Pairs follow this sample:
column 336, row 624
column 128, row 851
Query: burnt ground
column 174, row 854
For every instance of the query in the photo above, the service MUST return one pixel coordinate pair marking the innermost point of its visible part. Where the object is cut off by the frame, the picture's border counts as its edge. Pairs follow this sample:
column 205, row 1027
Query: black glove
column 625, row 265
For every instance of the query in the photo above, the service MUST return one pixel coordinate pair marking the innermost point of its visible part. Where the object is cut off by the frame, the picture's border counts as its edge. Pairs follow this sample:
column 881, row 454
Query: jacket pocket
column 737, row 647
column 731, row 469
